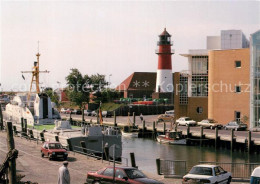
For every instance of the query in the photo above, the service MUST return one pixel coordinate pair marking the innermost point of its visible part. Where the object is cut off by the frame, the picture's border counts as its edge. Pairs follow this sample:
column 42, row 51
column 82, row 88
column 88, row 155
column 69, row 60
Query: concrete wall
column 223, row 77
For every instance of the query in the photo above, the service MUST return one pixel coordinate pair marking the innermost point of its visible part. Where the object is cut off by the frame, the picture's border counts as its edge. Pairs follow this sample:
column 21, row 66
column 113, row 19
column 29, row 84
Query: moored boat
column 172, row 137
column 130, row 131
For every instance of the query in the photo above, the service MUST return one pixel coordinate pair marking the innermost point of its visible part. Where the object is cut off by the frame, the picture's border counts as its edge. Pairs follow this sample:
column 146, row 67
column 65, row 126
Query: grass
column 110, row 106
column 46, row 127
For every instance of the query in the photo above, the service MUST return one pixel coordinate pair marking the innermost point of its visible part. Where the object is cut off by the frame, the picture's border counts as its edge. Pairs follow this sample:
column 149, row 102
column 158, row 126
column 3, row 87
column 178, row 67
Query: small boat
column 130, row 131
column 172, row 137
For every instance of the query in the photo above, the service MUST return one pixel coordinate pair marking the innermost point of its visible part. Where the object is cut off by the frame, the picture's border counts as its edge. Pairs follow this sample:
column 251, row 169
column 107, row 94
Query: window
column 109, row 172
column 238, row 64
column 199, row 110
column 120, row 173
column 238, row 89
column 237, row 116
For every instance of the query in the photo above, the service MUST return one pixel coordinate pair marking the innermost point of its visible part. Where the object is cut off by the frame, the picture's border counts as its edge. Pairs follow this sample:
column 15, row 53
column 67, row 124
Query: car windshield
column 201, row 171
column 134, row 173
column 187, row 119
column 55, row 146
column 212, row 121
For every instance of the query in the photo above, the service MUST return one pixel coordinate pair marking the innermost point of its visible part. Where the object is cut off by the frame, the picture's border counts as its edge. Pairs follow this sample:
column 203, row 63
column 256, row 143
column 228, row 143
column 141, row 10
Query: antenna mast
column 35, row 75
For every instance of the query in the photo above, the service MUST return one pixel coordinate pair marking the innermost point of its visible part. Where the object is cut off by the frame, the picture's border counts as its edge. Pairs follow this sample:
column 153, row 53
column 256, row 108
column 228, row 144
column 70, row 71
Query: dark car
column 54, row 150
column 129, row 175
column 76, row 111
column 236, row 125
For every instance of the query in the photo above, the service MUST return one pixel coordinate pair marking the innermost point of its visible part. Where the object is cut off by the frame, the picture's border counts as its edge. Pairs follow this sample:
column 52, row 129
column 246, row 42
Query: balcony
column 172, row 51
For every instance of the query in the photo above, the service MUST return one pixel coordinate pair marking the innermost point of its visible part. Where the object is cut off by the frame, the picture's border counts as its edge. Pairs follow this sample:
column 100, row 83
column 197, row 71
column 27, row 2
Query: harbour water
column 147, row 150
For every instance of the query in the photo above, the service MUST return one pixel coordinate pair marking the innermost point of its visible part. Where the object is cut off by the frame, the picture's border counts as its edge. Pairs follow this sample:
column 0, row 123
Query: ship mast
column 35, row 75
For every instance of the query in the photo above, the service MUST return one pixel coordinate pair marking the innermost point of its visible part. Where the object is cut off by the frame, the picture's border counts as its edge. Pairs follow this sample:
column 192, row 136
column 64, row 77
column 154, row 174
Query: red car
column 54, row 150
column 125, row 175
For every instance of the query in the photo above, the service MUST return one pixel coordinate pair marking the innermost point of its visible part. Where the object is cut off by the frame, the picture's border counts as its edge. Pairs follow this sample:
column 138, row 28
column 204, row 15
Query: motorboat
column 172, row 137
column 130, row 131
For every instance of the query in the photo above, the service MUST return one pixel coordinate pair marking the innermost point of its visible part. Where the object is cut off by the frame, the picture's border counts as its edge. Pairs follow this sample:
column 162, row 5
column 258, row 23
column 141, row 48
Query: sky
column 113, row 38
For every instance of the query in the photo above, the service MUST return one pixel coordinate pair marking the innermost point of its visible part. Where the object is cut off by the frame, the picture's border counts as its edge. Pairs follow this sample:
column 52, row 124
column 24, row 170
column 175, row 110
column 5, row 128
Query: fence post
column 1, row 119
column 132, row 156
column 249, row 142
column 22, row 125
column 115, row 124
column 143, row 127
column 233, row 140
column 201, row 135
column 164, row 128
column 83, row 115
column 158, row 165
column 154, row 130
column 11, row 146
column 25, row 126
column 57, row 138
column 216, row 138
column 133, row 118
column 188, row 131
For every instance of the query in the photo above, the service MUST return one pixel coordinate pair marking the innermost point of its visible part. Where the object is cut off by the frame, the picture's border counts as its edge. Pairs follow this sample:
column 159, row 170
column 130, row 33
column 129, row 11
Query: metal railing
column 178, row 168
column 174, row 168
column 98, row 155
column 238, row 170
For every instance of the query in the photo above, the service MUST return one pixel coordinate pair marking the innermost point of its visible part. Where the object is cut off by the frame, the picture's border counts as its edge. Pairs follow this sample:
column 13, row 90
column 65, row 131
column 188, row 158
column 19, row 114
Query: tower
column 164, row 81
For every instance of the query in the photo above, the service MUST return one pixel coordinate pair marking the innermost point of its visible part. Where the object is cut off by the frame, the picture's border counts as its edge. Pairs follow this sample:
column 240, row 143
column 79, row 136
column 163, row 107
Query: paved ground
column 43, row 171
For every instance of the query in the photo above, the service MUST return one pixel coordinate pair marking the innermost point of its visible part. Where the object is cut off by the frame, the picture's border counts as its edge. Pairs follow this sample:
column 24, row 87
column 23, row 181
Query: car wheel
column 42, row 154
column 229, row 180
column 96, row 182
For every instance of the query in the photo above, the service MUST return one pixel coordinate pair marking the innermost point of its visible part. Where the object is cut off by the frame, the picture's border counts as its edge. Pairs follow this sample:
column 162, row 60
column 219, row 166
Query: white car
column 207, row 174
column 63, row 110
column 185, row 121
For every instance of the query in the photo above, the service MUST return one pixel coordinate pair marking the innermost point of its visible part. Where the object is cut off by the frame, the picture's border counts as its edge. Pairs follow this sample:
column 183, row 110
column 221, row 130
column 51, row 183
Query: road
column 150, row 118
column 41, row 170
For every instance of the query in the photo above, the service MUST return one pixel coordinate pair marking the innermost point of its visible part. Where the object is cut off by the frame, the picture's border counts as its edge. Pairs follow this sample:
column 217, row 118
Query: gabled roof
column 139, row 81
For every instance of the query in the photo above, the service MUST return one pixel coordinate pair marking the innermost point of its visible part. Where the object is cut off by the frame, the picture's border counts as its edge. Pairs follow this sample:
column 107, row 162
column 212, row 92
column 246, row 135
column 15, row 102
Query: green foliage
column 53, row 95
column 78, row 90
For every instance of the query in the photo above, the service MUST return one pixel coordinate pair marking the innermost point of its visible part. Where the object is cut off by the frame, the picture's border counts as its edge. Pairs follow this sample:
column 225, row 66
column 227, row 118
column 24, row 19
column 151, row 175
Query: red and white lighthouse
column 164, row 81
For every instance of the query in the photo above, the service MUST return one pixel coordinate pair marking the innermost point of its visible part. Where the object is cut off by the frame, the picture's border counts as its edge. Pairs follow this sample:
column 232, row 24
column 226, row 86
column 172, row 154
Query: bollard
column 15, row 130
column 154, row 130
column 42, row 137
column 106, row 151
column 11, row 147
column 115, row 124
column 133, row 118
column 188, row 131
column 70, row 118
column 57, row 138
column 25, row 125
column 22, row 125
column 143, row 128
column 69, row 145
column 216, row 138
column 83, row 145
column 158, row 166
column 164, row 128
column 132, row 157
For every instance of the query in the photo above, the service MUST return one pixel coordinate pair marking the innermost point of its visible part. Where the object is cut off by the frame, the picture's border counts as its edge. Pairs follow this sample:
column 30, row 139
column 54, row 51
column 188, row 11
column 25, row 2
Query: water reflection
column 147, row 150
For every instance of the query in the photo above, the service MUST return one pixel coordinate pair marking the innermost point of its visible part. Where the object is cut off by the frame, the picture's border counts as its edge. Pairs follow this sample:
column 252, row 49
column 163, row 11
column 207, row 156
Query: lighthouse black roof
column 164, row 33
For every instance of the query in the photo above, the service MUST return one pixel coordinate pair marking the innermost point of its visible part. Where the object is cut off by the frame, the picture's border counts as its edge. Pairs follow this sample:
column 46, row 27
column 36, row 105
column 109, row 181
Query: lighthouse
column 164, row 83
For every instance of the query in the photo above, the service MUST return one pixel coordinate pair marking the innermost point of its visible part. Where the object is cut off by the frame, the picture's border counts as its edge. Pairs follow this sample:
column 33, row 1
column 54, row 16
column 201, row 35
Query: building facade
column 255, row 80
column 229, row 85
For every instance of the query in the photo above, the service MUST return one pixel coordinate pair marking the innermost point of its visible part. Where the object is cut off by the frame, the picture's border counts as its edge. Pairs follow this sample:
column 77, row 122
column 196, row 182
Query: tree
column 78, row 90
column 52, row 94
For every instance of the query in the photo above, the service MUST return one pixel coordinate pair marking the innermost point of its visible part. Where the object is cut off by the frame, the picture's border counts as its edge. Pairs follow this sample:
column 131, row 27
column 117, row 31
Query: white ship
column 35, row 107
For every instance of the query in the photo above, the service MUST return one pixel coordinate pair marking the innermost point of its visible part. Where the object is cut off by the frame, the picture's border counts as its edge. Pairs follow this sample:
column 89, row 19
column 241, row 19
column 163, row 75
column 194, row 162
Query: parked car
column 54, row 150
column 207, row 174
column 125, row 175
column 165, row 117
column 255, row 176
column 93, row 113
column 63, row 110
column 76, row 111
column 88, row 112
column 170, row 112
column 236, row 125
column 68, row 111
column 107, row 114
column 185, row 121
column 209, row 123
